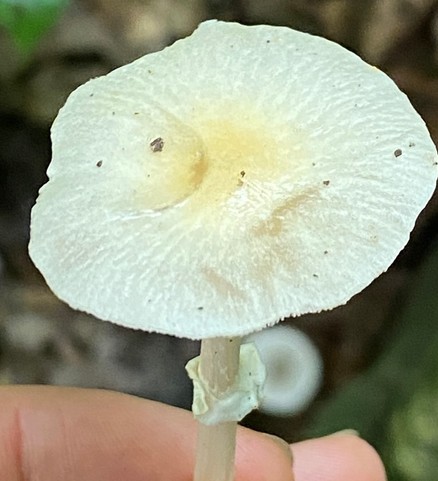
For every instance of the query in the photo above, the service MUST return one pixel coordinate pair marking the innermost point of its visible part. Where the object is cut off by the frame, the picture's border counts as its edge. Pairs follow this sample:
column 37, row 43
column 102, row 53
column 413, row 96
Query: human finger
column 339, row 457
column 54, row 433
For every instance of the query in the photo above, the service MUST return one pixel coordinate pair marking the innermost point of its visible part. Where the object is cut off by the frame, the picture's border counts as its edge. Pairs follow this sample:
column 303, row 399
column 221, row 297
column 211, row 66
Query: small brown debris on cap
column 398, row 152
column 157, row 144
column 326, row 182
column 240, row 181
column 99, row 164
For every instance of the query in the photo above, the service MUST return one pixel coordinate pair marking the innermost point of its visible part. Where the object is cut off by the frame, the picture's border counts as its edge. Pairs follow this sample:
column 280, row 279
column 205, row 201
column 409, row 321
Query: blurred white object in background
column 294, row 369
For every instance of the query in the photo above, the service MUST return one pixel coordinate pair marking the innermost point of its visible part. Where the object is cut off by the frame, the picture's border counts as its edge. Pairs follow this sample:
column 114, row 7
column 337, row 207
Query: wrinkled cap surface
column 240, row 176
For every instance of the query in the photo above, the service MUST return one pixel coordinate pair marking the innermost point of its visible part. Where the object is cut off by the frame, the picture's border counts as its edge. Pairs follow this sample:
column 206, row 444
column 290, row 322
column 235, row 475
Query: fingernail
column 346, row 432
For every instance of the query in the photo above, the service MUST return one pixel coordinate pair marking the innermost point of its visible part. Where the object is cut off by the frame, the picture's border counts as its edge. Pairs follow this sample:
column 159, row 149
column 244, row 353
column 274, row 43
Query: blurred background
column 378, row 354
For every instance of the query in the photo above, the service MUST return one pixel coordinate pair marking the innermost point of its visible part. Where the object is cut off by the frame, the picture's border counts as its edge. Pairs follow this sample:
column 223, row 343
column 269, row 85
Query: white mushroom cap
column 240, row 176
column 294, row 369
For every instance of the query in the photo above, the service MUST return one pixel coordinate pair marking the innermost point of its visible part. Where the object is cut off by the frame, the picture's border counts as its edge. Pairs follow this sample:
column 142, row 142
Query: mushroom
column 294, row 369
column 240, row 176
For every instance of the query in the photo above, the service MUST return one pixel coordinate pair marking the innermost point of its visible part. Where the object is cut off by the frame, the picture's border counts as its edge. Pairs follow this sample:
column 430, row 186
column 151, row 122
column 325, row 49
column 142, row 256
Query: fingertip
column 338, row 457
column 73, row 434
column 261, row 457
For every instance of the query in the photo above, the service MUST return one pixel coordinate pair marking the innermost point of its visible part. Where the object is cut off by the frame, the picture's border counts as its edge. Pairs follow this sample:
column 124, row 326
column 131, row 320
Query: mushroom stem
column 219, row 365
